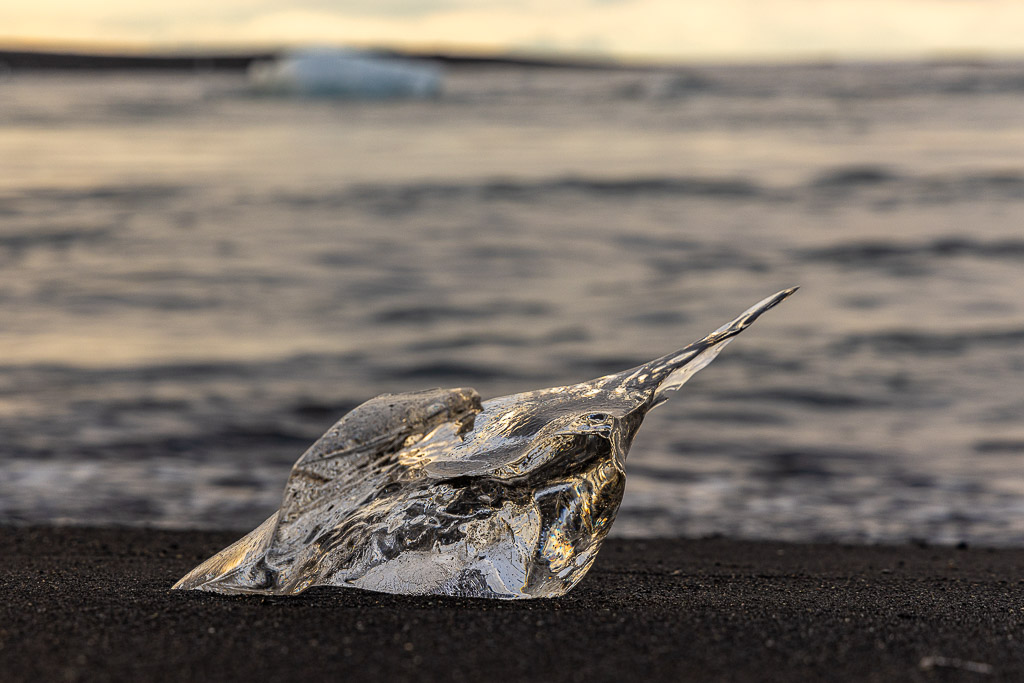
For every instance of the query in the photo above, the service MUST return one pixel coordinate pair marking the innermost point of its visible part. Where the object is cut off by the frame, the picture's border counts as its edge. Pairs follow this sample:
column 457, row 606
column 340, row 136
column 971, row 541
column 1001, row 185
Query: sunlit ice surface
column 436, row 493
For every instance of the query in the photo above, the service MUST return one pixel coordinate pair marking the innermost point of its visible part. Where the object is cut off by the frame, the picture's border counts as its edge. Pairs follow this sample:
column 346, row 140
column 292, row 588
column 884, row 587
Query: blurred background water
column 197, row 282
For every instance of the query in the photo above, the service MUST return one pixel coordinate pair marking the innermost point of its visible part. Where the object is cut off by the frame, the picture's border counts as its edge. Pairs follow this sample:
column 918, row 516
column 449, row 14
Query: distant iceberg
column 335, row 72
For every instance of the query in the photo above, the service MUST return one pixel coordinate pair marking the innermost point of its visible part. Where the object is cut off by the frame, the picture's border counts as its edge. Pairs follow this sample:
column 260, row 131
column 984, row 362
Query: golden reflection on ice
column 434, row 492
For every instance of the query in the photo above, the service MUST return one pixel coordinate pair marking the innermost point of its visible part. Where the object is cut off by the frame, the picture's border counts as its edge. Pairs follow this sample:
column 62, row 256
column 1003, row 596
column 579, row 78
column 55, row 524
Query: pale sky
column 687, row 29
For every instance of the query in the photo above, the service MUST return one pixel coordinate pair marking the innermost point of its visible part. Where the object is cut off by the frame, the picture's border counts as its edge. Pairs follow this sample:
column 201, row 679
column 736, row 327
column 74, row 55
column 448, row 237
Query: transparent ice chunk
column 434, row 492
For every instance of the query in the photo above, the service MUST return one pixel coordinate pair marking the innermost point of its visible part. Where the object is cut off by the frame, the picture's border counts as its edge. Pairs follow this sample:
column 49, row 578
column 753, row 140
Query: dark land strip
column 94, row 604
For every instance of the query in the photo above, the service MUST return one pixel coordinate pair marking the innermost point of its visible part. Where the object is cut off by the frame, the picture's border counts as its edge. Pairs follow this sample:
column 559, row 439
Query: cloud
column 383, row 8
column 724, row 29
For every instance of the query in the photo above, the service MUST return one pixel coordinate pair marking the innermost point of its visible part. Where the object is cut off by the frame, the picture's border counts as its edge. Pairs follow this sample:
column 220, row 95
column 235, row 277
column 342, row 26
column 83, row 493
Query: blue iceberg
column 344, row 73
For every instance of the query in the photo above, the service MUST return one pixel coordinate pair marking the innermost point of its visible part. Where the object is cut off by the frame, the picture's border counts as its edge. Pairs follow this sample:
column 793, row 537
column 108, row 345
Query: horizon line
column 469, row 53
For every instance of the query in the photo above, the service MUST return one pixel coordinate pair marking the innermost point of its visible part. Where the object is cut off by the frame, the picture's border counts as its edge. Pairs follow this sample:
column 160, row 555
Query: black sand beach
column 94, row 604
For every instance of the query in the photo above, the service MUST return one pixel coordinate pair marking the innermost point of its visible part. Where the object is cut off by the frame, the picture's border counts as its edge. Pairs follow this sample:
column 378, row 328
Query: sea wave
column 839, row 81
column 834, row 183
column 918, row 342
column 831, row 183
column 882, row 253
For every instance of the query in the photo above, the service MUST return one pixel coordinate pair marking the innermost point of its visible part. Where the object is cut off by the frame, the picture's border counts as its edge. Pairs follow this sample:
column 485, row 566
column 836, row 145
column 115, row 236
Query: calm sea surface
column 196, row 282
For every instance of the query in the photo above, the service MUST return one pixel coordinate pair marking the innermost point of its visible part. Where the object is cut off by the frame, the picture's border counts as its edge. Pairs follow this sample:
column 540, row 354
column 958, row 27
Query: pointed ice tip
column 734, row 327
column 670, row 372
column 776, row 298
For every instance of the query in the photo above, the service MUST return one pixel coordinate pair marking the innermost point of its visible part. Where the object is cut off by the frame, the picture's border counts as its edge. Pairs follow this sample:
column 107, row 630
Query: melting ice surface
column 434, row 492
column 330, row 72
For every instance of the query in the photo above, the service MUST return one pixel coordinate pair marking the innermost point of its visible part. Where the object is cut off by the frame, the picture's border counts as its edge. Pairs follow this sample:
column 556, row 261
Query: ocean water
column 196, row 282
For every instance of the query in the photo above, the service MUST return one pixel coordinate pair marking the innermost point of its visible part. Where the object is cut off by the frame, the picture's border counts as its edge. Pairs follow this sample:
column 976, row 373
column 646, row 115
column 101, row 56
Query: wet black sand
column 94, row 604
